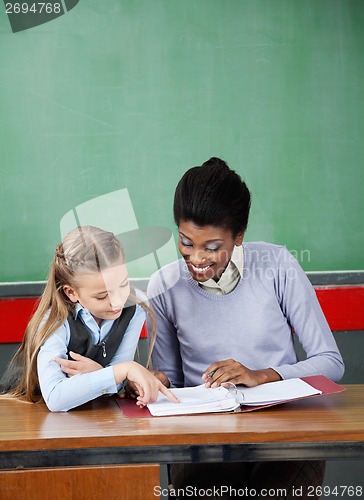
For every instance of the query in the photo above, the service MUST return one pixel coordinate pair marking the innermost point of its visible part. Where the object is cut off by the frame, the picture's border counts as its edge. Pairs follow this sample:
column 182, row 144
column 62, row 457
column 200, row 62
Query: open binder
column 202, row 400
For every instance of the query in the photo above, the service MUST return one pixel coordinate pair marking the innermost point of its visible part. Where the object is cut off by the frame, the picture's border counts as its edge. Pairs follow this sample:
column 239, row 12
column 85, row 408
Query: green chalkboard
column 123, row 96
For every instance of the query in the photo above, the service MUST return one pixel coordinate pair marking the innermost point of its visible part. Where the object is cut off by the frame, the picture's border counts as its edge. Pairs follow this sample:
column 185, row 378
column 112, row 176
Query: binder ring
column 233, row 391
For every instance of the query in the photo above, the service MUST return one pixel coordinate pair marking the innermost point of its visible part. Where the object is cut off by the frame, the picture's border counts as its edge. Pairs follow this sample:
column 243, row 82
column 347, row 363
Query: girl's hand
column 230, row 370
column 131, row 389
column 145, row 385
column 81, row 364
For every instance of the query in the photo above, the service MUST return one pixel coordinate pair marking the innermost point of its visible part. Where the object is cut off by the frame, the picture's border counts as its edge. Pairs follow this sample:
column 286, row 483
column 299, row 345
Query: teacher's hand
column 232, row 371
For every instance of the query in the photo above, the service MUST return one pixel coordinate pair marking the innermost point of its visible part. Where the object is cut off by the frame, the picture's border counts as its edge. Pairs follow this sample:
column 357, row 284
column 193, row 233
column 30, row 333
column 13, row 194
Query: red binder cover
column 320, row 382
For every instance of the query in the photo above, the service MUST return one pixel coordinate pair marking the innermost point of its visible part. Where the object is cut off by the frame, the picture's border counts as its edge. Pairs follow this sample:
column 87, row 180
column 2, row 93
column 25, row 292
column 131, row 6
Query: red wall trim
column 14, row 317
column 343, row 307
column 15, row 314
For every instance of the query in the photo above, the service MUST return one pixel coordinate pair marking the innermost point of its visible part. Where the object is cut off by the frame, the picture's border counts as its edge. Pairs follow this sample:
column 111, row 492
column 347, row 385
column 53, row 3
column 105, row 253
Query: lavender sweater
column 252, row 324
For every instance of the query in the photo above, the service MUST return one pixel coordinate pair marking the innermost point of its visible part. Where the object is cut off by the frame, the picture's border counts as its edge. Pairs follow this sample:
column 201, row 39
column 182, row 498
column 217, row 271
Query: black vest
column 102, row 353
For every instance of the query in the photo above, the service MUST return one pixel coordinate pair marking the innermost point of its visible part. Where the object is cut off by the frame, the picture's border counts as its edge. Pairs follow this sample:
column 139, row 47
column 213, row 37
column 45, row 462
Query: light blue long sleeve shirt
column 61, row 393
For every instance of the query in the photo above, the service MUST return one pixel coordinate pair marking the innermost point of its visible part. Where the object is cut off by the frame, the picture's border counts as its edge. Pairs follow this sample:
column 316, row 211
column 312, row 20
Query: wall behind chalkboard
column 124, row 94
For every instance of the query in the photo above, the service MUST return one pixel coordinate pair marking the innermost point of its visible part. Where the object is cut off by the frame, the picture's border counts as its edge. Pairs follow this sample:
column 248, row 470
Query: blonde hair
column 84, row 250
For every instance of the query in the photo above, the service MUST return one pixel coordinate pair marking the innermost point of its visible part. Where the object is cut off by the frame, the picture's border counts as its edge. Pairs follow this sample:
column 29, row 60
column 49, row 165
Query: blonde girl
column 81, row 341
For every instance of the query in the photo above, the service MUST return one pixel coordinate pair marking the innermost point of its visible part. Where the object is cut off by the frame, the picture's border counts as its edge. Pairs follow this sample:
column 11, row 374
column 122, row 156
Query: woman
column 228, row 316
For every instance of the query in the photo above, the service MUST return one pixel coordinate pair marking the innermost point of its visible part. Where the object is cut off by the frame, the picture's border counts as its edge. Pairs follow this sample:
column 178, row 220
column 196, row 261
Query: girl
column 81, row 341
column 230, row 313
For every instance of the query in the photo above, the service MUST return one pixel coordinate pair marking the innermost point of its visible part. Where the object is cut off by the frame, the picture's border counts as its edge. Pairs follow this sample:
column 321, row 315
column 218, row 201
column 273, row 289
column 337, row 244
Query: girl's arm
column 61, row 392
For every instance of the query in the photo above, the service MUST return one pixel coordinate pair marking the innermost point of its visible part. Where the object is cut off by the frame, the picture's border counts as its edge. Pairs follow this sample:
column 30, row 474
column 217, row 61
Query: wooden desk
column 97, row 434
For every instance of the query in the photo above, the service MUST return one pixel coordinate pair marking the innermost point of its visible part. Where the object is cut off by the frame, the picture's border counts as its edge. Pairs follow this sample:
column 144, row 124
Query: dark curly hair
column 213, row 195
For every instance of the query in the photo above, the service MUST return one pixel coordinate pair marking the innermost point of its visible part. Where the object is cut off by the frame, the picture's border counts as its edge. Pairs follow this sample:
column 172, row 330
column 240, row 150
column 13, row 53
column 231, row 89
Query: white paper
column 198, row 399
column 274, row 392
